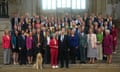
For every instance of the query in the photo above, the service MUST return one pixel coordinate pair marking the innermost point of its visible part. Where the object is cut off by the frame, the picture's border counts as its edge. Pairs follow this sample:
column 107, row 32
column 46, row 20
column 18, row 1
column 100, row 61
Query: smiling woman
column 54, row 4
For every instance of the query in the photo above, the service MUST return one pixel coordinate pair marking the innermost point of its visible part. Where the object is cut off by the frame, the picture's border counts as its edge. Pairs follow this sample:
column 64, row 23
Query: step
column 86, row 66
column 4, row 24
column 116, row 59
column 116, row 55
column 4, row 19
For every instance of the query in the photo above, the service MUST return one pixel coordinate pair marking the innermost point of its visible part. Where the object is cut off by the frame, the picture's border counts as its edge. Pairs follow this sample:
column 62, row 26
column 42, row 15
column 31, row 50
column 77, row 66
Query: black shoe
column 67, row 67
column 20, row 64
column 73, row 62
column 61, row 66
column 82, row 62
column 6, row 64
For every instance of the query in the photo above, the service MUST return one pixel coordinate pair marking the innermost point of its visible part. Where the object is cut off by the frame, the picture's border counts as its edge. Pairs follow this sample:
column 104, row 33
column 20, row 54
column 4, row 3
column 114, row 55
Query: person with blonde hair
column 99, row 36
column 92, row 50
column 6, row 47
column 54, row 51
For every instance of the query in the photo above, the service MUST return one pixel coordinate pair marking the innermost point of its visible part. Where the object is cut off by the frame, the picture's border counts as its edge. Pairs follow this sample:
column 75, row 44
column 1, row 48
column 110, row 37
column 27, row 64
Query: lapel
column 62, row 38
column 23, row 37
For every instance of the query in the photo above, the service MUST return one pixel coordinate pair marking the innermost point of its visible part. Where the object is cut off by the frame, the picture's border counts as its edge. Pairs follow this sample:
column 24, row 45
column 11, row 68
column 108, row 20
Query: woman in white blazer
column 91, row 51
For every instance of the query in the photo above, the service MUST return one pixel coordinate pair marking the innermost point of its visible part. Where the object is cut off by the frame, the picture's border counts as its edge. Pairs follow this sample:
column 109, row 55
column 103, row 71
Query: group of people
column 60, row 40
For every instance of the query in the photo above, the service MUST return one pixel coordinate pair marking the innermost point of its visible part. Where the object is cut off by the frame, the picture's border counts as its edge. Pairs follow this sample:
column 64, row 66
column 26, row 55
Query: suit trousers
column 47, row 55
column 73, row 55
column 82, row 54
column 6, row 56
column 22, row 56
column 64, row 58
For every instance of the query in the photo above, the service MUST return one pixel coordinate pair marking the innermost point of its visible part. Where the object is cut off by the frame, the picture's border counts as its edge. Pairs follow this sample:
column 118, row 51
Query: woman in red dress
column 114, row 34
column 54, row 51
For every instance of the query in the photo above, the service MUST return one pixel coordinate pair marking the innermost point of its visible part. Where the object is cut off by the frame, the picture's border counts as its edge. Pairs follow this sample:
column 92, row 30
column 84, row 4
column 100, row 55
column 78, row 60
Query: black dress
column 16, row 49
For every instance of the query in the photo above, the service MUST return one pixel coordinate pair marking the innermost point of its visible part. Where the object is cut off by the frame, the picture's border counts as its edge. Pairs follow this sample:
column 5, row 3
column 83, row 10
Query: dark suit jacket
column 13, row 22
column 82, row 40
column 86, row 21
column 40, row 48
column 24, row 26
column 63, row 45
column 22, row 42
column 68, row 20
column 32, row 20
column 41, row 39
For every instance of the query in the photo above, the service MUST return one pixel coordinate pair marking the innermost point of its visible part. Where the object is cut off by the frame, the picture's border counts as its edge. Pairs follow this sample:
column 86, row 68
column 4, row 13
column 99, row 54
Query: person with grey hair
column 107, row 45
column 63, row 49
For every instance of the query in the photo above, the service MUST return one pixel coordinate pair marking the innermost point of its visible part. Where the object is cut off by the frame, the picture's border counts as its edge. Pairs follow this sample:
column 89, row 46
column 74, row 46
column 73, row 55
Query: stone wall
column 22, row 6
column 4, row 24
column 35, row 6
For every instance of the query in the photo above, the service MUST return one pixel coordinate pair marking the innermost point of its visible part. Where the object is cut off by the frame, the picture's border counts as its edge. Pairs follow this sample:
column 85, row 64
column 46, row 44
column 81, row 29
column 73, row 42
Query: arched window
column 55, row 4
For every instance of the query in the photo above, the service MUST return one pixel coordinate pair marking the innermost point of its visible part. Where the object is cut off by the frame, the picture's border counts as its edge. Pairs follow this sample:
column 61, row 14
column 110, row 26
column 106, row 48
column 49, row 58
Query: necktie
column 23, row 37
column 38, row 38
column 62, row 37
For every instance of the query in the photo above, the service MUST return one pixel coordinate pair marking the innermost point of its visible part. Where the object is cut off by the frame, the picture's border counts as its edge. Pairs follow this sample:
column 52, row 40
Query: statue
column 4, row 8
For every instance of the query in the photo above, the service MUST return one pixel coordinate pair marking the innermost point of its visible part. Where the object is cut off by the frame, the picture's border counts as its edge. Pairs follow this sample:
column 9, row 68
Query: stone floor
column 10, row 69
column 73, row 68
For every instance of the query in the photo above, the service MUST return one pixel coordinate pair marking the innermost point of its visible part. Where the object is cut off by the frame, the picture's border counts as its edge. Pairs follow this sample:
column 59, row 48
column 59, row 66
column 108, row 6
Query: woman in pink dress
column 107, row 45
column 29, row 46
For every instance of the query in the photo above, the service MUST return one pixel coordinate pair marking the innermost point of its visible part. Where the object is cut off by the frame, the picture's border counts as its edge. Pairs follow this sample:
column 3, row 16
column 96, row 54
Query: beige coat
column 93, row 39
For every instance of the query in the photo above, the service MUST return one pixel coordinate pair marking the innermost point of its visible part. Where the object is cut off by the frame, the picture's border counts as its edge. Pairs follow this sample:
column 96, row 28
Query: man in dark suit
column 110, row 23
column 33, row 19
column 24, row 26
column 67, row 19
column 38, row 42
column 15, row 20
column 22, row 48
column 63, row 49
column 46, row 47
column 86, row 19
